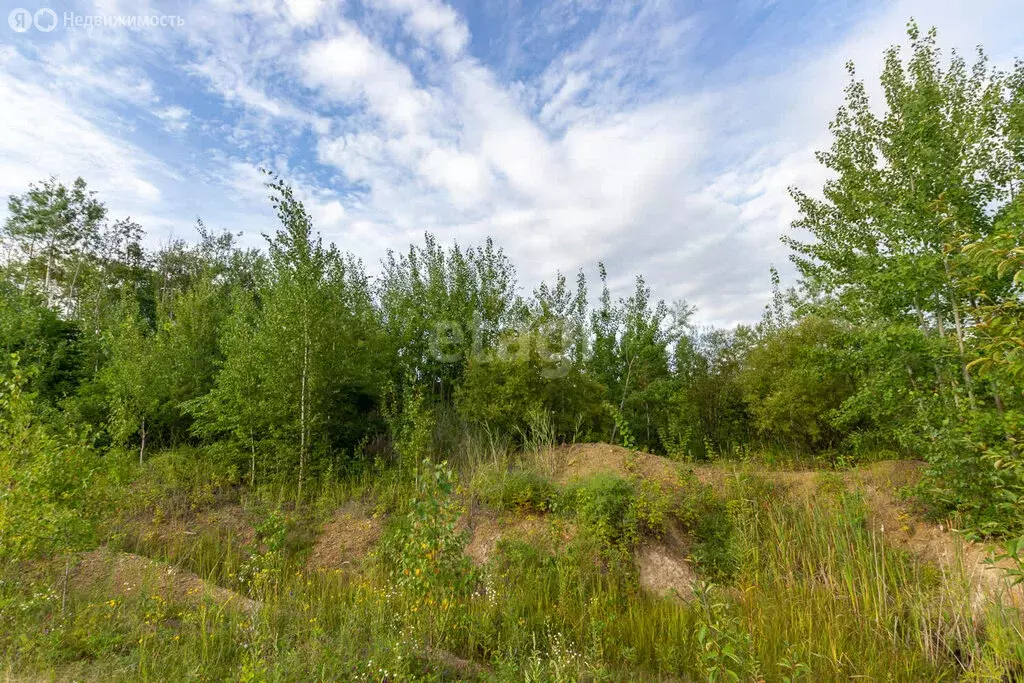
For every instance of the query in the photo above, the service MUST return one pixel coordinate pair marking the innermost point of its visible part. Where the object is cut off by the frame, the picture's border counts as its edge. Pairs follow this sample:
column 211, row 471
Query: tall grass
column 810, row 593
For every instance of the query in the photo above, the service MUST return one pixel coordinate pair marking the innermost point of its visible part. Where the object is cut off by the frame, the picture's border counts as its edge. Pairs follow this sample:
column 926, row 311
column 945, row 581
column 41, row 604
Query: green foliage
column 49, row 491
column 975, row 471
column 261, row 572
column 43, row 340
column 520, row 490
column 442, row 308
column 916, row 245
column 726, row 651
column 411, row 429
column 426, row 560
column 498, row 394
column 536, row 366
column 632, row 346
column 55, row 227
column 794, row 383
column 707, row 414
column 616, row 511
column 621, row 426
column 904, row 336
column 303, row 369
column 1012, row 552
column 819, row 597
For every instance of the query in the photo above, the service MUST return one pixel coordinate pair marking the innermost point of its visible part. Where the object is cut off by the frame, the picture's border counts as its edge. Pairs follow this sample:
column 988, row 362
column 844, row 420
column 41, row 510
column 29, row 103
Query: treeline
column 295, row 357
column 903, row 337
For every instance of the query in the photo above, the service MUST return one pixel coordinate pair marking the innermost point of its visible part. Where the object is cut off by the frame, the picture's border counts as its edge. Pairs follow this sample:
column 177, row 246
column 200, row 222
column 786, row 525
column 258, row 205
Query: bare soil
column 126, row 575
column 901, row 525
column 580, row 461
column 487, row 529
column 664, row 566
column 346, row 539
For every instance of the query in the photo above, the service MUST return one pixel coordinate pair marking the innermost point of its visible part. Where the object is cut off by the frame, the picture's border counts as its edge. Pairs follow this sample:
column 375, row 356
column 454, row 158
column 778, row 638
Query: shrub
column 709, row 520
column 48, row 500
column 520, row 490
column 423, row 553
column 617, row 511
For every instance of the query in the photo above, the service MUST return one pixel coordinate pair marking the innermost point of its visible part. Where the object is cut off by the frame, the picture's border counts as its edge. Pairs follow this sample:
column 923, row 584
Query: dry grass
column 126, row 575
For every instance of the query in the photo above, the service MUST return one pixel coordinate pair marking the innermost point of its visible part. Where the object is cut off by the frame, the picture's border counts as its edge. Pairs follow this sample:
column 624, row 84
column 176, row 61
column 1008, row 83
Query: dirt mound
column 896, row 520
column 486, row 530
column 126, row 575
column 663, row 565
column 579, row 461
column 937, row 543
column 346, row 539
column 226, row 520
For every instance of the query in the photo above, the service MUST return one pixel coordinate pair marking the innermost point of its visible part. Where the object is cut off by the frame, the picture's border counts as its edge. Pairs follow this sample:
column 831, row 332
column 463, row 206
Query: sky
column 657, row 137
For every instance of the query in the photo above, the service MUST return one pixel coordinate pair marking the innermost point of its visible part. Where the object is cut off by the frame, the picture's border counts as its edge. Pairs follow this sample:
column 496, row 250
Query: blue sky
column 659, row 137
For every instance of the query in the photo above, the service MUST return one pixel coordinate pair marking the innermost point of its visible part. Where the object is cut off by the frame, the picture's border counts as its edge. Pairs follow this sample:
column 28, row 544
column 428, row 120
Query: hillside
column 582, row 561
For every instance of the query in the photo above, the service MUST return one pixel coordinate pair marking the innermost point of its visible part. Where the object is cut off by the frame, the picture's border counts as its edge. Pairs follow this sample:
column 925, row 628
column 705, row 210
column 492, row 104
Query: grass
column 796, row 588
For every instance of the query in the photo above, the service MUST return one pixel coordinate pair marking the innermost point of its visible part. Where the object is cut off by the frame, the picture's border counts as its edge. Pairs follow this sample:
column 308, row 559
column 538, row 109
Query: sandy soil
column 125, row 574
column 346, row 539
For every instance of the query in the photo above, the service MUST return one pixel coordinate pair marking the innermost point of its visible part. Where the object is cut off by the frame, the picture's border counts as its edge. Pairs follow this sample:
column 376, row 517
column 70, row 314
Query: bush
column 617, row 511
column 710, row 521
column 975, row 472
column 519, row 490
column 423, row 553
column 48, row 496
column 794, row 381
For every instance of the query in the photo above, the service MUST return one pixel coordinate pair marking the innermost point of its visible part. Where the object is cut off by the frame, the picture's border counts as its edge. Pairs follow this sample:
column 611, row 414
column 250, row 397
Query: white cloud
column 174, row 118
column 351, row 69
column 41, row 136
column 619, row 140
column 304, row 12
column 431, row 22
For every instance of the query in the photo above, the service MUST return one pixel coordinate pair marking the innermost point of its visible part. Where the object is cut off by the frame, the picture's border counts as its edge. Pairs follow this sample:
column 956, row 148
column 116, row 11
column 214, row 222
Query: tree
column 236, row 405
column 907, row 184
column 134, row 380
column 794, row 383
column 304, row 362
column 631, row 357
column 55, row 228
column 920, row 192
column 47, row 494
column 442, row 307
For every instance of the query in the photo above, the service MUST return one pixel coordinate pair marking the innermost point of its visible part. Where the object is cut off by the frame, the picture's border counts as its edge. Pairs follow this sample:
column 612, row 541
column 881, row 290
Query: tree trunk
column 954, row 301
column 71, row 290
column 64, row 588
column 142, row 446
column 625, row 388
column 302, row 409
column 28, row 269
column 46, row 280
column 252, row 471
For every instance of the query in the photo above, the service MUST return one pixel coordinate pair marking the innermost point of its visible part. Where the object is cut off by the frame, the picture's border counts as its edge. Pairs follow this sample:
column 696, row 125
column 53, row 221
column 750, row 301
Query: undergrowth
column 790, row 589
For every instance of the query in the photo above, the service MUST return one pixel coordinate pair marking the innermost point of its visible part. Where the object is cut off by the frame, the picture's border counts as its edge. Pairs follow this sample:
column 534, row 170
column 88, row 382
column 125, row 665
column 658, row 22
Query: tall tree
column 55, row 227
column 307, row 341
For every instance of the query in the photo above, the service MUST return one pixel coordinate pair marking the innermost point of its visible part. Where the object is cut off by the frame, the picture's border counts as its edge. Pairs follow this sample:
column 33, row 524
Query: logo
column 45, row 20
column 20, row 20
